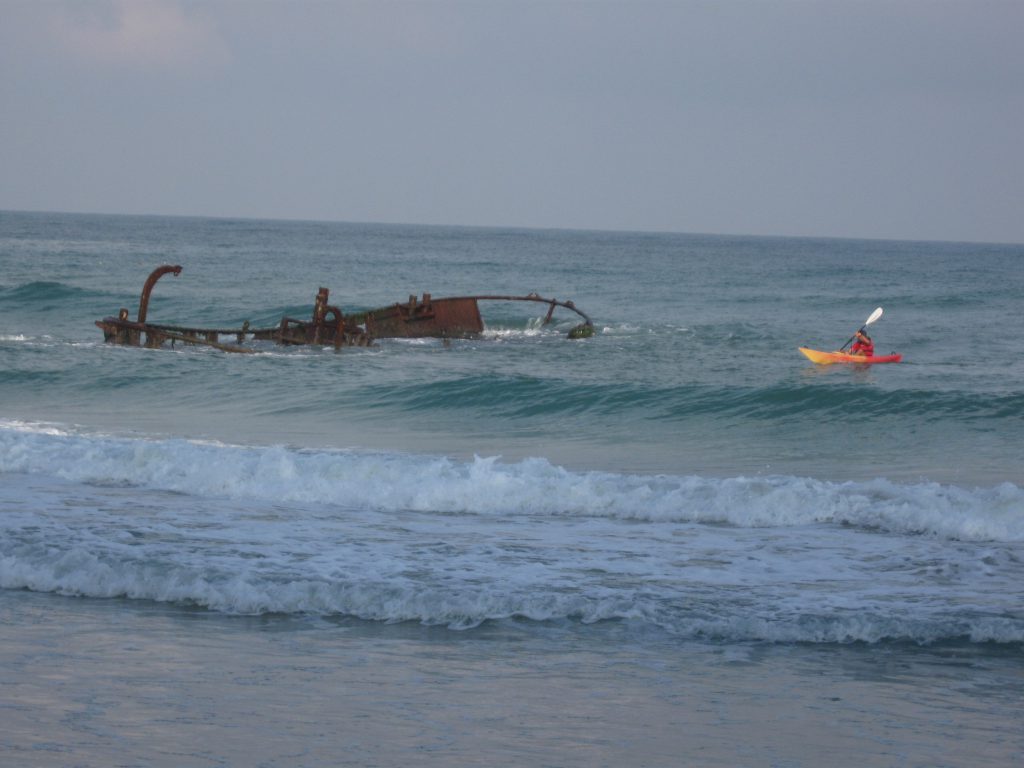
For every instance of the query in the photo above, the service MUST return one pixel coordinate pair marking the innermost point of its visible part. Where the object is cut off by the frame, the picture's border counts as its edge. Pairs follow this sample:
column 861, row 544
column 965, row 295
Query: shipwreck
column 424, row 317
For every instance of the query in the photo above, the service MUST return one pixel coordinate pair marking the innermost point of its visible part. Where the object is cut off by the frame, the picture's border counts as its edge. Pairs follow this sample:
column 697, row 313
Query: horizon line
column 507, row 227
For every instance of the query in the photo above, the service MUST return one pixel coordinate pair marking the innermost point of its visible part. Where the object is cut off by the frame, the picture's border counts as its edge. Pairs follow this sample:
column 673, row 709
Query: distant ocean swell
column 522, row 397
column 487, row 486
column 46, row 295
column 42, row 297
column 518, row 398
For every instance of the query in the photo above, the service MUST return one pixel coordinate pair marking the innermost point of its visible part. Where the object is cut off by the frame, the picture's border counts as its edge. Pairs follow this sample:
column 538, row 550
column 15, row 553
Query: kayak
column 826, row 358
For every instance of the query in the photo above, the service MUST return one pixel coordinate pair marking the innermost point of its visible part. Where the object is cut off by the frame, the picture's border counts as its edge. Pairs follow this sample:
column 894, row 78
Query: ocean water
column 677, row 542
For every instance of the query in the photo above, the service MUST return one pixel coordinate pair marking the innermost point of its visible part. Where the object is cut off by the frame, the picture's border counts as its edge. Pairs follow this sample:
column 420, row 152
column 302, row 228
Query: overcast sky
column 892, row 119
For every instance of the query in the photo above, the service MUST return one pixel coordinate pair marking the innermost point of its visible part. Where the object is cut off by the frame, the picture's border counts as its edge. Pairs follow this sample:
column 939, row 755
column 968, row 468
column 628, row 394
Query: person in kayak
column 863, row 345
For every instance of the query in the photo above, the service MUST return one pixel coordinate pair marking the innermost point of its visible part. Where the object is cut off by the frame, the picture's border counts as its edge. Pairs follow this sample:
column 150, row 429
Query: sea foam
column 488, row 486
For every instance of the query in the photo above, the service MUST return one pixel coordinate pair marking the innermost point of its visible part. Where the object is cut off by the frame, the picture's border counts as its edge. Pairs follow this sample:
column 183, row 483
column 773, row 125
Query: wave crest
column 488, row 486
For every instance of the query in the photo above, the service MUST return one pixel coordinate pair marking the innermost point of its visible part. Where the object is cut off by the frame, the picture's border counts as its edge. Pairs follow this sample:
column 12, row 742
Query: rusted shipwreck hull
column 451, row 317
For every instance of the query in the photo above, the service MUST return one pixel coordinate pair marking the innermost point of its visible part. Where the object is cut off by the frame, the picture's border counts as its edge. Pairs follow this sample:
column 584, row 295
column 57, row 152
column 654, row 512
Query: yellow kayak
column 827, row 358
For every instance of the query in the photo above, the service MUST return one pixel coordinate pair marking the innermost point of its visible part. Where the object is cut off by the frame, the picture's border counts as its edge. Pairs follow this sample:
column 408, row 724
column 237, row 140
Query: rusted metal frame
column 539, row 299
column 156, row 335
column 123, row 331
column 289, row 331
column 451, row 316
column 414, row 307
column 432, row 318
column 211, row 333
column 205, row 342
column 581, row 331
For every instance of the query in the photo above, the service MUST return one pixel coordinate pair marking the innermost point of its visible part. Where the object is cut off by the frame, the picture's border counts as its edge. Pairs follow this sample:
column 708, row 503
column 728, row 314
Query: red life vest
column 860, row 348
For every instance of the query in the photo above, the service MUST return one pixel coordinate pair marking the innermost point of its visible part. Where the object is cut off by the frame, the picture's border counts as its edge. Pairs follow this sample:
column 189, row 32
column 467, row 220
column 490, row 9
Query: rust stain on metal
column 457, row 317
column 452, row 317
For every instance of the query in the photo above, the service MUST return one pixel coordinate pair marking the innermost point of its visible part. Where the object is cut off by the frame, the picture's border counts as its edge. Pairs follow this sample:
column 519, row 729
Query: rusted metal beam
column 147, row 289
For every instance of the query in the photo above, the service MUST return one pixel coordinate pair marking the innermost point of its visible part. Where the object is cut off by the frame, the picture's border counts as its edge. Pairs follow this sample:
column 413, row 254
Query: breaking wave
column 488, row 486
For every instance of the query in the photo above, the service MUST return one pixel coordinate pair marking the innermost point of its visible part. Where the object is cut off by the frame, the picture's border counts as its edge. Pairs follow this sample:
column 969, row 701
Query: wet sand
column 131, row 683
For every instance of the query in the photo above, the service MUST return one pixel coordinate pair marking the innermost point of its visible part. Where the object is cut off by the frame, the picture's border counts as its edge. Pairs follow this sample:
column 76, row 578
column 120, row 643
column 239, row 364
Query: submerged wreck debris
column 447, row 318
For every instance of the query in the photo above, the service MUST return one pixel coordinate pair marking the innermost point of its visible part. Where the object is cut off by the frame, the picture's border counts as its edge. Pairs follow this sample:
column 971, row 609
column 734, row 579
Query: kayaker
column 863, row 345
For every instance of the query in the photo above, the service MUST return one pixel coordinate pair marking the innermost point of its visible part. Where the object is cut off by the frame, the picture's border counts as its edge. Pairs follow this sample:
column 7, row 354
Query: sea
column 675, row 543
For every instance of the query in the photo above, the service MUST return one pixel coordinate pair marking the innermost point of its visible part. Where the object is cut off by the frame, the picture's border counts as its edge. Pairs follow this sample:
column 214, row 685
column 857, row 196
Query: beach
column 95, row 683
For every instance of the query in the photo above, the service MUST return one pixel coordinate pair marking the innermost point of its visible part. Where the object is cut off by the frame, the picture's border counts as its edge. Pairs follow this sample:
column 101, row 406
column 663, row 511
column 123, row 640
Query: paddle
column 874, row 316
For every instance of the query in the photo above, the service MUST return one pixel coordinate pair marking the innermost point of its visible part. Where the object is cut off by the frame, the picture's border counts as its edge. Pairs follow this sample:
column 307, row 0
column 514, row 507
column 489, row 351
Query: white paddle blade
column 874, row 316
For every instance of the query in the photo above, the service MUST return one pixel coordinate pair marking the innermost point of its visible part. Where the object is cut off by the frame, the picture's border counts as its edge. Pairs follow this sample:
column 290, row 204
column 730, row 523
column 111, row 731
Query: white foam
column 534, row 327
column 488, row 486
column 386, row 537
column 388, row 594
column 622, row 329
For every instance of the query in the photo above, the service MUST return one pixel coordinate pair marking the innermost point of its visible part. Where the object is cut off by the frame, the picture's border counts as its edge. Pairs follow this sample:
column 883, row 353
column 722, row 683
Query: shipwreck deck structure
column 425, row 317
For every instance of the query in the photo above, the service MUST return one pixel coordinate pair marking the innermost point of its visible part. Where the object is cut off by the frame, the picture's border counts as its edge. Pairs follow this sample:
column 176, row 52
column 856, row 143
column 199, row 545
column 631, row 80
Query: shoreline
column 118, row 682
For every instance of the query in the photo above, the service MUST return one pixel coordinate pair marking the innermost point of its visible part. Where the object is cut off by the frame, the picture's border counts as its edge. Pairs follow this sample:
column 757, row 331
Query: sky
column 896, row 119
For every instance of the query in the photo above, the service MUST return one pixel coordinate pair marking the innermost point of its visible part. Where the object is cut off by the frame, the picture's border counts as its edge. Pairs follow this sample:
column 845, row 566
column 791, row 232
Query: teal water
column 684, row 482
column 694, row 368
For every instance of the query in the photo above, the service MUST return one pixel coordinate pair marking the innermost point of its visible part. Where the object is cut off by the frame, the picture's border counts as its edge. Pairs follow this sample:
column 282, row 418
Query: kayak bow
column 827, row 358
